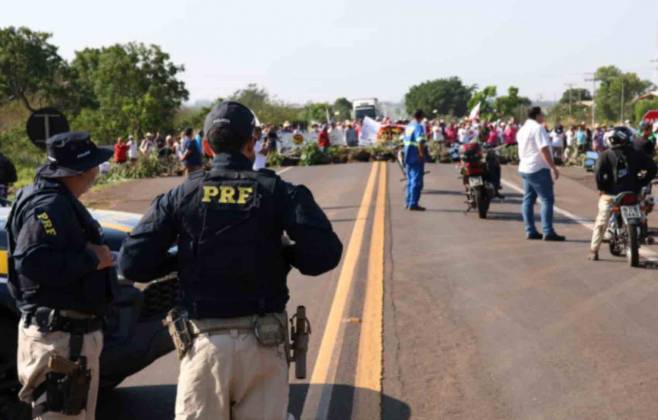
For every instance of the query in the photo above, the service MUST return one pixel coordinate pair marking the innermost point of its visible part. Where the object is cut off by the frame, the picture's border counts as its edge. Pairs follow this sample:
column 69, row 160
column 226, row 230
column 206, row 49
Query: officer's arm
column 144, row 255
column 42, row 253
column 317, row 248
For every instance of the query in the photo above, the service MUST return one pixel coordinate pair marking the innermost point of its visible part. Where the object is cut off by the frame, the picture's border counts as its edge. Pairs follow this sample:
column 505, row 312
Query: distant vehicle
column 367, row 107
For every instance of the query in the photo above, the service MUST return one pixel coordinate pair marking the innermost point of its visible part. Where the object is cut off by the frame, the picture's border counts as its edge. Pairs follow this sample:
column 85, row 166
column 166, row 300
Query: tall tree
column 446, row 96
column 343, row 107
column 512, row 104
column 574, row 95
column 31, row 70
column 487, row 100
column 615, row 85
column 267, row 109
column 128, row 88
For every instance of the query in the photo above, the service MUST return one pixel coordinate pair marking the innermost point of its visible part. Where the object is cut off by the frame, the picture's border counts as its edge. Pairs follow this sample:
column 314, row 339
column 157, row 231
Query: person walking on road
column 414, row 158
column 619, row 169
column 232, row 266
column 63, row 279
column 535, row 166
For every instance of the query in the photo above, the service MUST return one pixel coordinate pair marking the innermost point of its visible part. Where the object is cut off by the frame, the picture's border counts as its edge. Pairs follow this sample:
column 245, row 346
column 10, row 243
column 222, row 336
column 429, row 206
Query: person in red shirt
column 121, row 151
column 323, row 139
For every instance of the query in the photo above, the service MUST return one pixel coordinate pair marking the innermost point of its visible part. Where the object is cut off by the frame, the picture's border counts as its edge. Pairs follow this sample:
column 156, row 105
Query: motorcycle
column 479, row 189
column 625, row 227
column 647, row 203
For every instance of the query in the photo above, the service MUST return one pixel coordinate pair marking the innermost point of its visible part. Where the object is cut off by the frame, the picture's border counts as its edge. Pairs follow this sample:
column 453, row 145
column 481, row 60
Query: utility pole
column 655, row 62
column 622, row 99
column 593, row 80
column 570, row 86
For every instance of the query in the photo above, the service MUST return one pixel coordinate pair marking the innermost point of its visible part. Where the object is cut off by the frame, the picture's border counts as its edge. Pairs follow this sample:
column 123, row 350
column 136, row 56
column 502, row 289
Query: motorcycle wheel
column 481, row 202
column 633, row 249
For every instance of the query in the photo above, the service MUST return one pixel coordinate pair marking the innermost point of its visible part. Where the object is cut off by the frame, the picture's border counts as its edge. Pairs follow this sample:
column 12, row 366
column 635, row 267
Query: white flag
column 475, row 112
column 369, row 131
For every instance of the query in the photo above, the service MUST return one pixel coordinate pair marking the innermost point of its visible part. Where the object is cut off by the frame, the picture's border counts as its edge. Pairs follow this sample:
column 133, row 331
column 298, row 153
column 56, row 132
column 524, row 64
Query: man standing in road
column 535, row 166
column 190, row 153
column 63, row 279
column 228, row 224
column 414, row 158
column 619, row 169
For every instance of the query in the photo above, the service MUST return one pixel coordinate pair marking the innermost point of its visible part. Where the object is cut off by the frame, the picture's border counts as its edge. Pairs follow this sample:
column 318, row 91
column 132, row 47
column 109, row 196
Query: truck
column 367, row 107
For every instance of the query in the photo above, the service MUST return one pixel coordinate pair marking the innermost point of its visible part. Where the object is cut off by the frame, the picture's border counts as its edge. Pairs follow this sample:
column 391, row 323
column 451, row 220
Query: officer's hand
column 103, row 254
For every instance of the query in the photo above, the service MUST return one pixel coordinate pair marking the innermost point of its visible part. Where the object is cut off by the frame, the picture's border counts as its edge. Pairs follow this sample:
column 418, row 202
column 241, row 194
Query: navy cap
column 232, row 115
column 71, row 154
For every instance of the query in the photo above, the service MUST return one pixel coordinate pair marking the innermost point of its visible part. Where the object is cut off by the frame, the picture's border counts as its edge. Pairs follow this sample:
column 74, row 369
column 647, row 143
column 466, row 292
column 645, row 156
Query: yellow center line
column 368, row 380
column 316, row 403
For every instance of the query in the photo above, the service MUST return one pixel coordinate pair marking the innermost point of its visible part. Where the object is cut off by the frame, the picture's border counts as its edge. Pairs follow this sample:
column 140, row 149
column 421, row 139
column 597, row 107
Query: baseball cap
column 232, row 115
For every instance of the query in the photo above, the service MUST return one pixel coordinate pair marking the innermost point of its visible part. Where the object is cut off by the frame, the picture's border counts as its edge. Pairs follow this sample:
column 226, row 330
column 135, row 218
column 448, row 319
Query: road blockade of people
column 228, row 225
column 63, row 279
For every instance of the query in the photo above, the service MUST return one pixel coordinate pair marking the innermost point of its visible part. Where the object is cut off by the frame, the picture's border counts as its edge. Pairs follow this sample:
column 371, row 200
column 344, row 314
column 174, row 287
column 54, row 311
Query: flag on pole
column 475, row 112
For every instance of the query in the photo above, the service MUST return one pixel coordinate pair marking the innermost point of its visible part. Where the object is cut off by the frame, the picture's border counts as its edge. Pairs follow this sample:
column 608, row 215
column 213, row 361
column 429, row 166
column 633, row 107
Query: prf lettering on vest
column 226, row 194
column 47, row 224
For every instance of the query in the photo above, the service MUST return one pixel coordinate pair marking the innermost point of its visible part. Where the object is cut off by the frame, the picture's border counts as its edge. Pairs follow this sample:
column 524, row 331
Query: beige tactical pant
column 602, row 219
column 229, row 376
column 34, row 348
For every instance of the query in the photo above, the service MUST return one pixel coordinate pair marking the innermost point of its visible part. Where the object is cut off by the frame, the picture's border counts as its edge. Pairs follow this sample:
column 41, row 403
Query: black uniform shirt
column 317, row 249
column 50, row 230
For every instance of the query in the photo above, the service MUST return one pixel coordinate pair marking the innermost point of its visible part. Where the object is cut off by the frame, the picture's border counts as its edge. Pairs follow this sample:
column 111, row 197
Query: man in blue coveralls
column 414, row 158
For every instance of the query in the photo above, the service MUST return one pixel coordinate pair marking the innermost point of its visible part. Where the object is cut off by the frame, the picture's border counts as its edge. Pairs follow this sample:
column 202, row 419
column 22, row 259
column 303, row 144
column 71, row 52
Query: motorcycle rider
column 620, row 168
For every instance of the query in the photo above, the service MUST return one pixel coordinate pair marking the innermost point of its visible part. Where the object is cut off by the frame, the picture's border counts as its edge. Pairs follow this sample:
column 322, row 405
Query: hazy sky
column 304, row 50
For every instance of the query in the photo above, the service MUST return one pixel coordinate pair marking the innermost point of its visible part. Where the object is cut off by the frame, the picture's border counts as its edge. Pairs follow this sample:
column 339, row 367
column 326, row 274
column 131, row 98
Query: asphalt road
column 440, row 315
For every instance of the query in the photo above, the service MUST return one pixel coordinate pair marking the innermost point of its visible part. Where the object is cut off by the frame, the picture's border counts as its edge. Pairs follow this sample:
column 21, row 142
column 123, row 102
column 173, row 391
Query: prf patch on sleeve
column 230, row 194
column 46, row 223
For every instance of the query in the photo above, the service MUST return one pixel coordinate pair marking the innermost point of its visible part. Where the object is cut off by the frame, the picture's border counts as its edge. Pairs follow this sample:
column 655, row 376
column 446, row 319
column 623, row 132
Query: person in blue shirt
column 414, row 159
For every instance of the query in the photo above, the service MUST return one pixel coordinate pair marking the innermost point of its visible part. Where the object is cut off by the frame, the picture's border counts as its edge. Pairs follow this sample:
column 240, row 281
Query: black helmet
column 621, row 136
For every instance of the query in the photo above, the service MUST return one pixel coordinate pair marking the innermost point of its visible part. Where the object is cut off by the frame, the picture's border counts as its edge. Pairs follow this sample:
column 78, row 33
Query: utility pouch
column 179, row 330
column 270, row 331
column 67, row 385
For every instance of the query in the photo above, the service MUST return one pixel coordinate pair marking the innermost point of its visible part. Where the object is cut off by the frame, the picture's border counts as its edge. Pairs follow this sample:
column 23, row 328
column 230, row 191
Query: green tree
column 343, row 107
column 487, row 100
column 267, row 109
column 641, row 107
column 613, row 82
column 574, row 95
column 512, row 105
column 31, row 70
column 316, row 111
column 130, row 88
column 446, row 96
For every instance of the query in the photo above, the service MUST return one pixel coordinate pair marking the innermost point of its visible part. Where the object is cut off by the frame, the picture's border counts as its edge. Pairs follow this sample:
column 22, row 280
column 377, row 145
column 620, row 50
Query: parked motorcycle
column 625, row 227
column 478, row 187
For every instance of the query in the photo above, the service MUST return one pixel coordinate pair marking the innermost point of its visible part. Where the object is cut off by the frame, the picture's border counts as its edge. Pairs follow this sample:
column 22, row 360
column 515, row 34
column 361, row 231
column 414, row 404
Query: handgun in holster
column 66, row 386
column 300, row 329
column 179, row 330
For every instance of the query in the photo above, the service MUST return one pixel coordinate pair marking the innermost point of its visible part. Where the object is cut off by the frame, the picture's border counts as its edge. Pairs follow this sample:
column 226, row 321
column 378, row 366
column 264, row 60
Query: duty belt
column 50, row 320
column 219, row 325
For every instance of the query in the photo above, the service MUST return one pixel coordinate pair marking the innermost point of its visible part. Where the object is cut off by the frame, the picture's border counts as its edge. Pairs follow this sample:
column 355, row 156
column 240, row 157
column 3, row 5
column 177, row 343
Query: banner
column 369, row 130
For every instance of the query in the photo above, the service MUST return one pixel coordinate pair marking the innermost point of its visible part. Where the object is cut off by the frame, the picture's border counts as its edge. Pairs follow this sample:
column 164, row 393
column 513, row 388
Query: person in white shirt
column 336, row 136
column 133, row 150
column 262, row 149
column 535, row 167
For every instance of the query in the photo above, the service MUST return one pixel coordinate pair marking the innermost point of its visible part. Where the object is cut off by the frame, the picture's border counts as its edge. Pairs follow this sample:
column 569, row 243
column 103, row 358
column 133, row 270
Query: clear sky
column 304, row 50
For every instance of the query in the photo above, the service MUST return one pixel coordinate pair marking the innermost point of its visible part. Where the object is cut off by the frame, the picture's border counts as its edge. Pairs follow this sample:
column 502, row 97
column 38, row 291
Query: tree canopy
column 31, row 70
column 445, row 96
column 612, row 82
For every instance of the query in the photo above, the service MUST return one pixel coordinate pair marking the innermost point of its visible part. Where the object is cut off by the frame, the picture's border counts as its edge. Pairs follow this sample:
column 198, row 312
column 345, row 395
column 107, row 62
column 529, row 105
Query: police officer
column 414, row 160
column 232, row 266
column 620, row 168
column 63, row 279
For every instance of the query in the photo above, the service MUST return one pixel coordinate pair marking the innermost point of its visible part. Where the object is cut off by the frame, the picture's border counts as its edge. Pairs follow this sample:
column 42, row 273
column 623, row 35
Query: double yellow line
column 367, row 397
